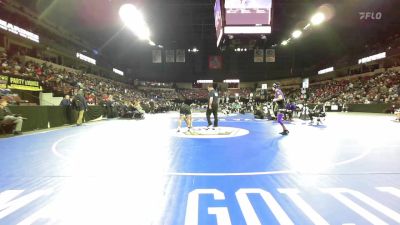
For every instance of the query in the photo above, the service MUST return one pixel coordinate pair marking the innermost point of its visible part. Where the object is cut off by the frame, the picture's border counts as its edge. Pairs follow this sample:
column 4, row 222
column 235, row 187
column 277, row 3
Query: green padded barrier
column 37, row 117
column 42, row 117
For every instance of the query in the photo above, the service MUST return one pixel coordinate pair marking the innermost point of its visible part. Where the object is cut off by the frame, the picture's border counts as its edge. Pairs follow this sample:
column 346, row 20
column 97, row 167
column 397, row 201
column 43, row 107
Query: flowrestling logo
column 370, row 15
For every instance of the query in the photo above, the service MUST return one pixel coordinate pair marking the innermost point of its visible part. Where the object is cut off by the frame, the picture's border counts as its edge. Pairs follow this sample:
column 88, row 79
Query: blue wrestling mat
column 345, row 171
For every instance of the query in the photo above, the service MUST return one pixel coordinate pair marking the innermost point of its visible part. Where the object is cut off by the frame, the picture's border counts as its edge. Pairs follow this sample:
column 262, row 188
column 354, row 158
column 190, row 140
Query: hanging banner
column 157, row 56
column 3, row 82
column 180, row 55
column 11, row 82
column 258, row 55
column 169, row 56
column 269, row 55
column 215, row 62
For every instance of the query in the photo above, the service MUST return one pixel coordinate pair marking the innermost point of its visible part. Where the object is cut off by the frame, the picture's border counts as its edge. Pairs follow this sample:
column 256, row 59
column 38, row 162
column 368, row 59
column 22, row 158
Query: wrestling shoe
column 285, row 132
column 17, row 133
column 209, row 126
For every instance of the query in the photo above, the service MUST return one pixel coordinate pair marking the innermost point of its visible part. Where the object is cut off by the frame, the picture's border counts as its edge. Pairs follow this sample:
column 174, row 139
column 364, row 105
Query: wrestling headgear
column 275, row 85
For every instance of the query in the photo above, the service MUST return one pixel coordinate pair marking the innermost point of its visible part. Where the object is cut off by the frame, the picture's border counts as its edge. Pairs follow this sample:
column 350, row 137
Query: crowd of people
column 120, row 99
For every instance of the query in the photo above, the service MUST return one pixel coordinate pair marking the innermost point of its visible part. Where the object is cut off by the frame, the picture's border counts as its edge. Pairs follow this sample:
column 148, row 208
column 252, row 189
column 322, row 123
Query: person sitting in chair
column 318, row 112
column 7, row 116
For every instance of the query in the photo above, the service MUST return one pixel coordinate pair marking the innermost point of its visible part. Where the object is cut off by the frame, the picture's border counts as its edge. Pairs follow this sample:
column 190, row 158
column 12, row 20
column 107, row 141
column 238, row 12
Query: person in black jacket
column 80, row 105
column 212, row 106
column 66, row 105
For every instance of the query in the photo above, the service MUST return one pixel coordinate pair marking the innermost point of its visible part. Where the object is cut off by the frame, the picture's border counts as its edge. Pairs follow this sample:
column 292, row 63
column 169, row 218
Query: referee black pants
column 214, row 111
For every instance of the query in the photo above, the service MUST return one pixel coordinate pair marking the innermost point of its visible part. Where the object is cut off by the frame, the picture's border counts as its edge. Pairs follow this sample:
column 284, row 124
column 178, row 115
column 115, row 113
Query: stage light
column 317, row 18
column 296, row 34
column 195, row 50
column 152, row 43
column 160, row 46
column 134, row 20
column 284, row 43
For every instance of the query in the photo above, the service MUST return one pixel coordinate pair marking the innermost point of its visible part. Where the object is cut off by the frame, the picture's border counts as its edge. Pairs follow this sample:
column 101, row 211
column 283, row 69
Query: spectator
column 66, row 104
column 7, row 115
column 80, row 106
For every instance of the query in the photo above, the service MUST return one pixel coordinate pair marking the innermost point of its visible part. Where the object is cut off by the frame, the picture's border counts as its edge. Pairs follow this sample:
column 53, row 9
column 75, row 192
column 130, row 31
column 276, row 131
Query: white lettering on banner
column 3, row 24
column 390, row 190
column 248, row 211
column 11, row 28
column 338, row 193
column 19, row 31
column 192, row 208
column 8, row 203
column 85, row 58
column 304, row 206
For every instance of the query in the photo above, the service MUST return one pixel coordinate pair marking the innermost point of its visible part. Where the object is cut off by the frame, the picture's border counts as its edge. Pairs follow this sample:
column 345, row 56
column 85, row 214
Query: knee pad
column 280, row 117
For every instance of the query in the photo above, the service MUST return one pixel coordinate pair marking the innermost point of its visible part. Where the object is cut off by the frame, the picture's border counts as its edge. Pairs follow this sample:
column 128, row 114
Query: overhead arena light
column 134, row 20
column 284, row 43
column 152, row 43
column 327, row 70
column 317, row 18
column 193, row 50
column 296, row 34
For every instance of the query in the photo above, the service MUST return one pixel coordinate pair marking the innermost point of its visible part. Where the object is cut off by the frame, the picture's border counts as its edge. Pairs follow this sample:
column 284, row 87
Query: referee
column 212, row 106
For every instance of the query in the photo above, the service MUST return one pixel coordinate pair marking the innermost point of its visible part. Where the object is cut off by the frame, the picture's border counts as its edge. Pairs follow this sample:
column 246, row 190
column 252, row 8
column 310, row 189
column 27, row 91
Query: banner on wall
column 270, row 55
column 170, row 56
column 3, row 82
column 215, row 62
column 157, row 56
column 19, row 83
column 180, row 55
column 258, row 55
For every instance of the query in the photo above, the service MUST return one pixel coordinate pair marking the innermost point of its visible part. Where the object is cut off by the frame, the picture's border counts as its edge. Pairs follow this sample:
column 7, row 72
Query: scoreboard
column 242, row 17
